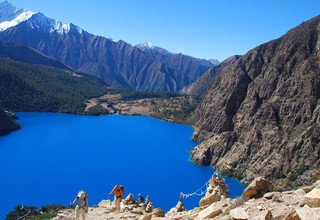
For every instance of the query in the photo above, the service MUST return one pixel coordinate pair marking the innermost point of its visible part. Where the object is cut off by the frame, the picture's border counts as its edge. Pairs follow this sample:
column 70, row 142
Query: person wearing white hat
column 82, row 205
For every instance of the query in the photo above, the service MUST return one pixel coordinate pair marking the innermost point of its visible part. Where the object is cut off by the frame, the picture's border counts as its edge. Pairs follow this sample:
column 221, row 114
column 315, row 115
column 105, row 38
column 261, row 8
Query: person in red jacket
column 118, row 192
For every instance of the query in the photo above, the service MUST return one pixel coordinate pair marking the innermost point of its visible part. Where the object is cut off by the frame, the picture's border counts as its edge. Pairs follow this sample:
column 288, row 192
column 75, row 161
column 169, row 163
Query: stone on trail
column 214, row 209
column 158, row 213
column 209, row 199
column 307, row 213
column 312, row 198
column 269, row 195
column 239, row 214
column 293, row 215
column 145, row 217
column 264, row 215
column 257, row 187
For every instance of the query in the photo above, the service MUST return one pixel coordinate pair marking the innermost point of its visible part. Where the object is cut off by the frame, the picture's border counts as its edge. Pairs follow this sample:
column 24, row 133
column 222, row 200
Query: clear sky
column 201, row 28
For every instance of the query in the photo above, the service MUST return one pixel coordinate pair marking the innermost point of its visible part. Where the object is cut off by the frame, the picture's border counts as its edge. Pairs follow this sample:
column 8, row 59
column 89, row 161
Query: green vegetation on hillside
column 33, row 213
column 27, row 87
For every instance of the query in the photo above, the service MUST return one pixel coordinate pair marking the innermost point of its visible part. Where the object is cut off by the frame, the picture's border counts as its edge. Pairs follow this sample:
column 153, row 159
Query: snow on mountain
column 149, row 47
column 8, row 11
column 146, row 44
column 17, row 20
column 11, row 16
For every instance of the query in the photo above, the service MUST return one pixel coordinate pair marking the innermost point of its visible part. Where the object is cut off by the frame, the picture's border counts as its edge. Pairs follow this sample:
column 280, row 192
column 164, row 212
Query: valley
column 67, row 93
column 173, row 109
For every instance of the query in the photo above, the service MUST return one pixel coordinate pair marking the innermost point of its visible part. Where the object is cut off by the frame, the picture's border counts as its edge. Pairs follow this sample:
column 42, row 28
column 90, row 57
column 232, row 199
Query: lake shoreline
column 56, row 141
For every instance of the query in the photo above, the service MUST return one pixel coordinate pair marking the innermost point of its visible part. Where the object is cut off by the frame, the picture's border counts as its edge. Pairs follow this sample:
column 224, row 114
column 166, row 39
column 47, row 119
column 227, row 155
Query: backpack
column 121, row 189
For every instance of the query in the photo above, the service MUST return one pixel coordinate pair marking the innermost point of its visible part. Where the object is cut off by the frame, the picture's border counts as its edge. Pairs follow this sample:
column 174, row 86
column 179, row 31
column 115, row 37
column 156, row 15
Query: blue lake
column 53, row 156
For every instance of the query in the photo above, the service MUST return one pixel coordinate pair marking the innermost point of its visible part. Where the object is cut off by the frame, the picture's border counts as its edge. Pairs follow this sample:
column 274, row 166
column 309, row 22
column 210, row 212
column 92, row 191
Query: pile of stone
column 258, row 202
column 130, row 208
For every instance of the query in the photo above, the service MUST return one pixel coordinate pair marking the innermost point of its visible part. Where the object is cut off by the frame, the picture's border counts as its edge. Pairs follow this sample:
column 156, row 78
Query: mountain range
column 119, row 64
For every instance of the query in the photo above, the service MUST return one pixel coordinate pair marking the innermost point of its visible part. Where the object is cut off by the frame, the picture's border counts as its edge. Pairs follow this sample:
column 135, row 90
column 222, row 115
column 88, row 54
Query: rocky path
column 258, row 202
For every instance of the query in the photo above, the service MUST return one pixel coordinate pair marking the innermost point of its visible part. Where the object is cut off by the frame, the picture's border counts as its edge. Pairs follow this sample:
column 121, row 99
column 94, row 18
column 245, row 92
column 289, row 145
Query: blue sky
column 201, row 28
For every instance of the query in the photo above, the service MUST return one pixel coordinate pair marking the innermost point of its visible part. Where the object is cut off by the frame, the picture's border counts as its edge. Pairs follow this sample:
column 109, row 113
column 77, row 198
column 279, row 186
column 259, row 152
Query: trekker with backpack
column 118, row 192
column 82, row 205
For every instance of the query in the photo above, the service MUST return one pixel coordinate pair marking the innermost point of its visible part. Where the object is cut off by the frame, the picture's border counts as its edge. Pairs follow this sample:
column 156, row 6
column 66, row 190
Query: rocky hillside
column 7, row 123
column 261, row 115
column 22, row 53
column 257, row 202
column 199, row 87
column 118, row 64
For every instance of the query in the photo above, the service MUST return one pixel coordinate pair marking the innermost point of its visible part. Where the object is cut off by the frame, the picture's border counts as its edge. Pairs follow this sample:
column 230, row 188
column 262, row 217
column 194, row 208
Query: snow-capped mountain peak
column 25, row 15
column 11, row 16
column 149, row 47
column 146, row 45
column 9, row 12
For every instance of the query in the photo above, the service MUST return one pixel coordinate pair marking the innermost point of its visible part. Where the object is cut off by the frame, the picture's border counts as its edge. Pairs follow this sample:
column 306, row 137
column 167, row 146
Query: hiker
column 118, row 192
column 141, row 199
column 82, row 205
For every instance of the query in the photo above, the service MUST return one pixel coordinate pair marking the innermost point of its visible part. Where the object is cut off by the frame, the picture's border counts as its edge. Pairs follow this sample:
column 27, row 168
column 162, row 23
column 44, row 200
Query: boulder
column 312, row 198
column 293, row 215
column 307, row 189
column 145, row 217
column 214, row 209
column 209, row 199
column 239, row 214
column 257, row 187
column 265, row 215
column 268, row 195
column 106, row 204
column 158, row 213
column 307, row 213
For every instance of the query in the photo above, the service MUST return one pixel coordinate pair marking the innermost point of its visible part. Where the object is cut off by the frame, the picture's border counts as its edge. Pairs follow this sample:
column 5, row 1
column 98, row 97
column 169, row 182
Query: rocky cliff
column 200, row 86
column 261, row 115
column 7, row 123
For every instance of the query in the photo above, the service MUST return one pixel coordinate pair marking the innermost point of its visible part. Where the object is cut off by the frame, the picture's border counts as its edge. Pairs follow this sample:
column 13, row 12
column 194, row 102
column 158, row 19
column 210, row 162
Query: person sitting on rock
column 82, row 205
column 118, row 192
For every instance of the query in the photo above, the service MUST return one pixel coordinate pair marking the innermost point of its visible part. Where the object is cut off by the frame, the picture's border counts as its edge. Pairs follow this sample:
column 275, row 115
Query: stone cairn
column 216, row 190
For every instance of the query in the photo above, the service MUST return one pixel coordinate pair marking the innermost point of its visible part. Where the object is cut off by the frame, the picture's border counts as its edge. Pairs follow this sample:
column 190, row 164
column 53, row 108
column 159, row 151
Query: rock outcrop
column 261, row 115
column 199, row 87
column 257, row 187
column 287, row 205
column 7, row 123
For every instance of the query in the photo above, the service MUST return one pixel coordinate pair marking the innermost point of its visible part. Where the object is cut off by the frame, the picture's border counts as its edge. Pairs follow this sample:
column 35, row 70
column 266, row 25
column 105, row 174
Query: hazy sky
column 201, row 28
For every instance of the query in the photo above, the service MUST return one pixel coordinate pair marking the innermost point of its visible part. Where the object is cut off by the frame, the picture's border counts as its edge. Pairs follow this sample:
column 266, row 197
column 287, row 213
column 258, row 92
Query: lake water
column 53, row 156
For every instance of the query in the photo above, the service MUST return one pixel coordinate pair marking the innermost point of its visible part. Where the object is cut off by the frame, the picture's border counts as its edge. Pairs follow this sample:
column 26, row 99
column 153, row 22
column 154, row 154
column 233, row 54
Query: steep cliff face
column 261, row 115
column 7, row 124
column 200, row 86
